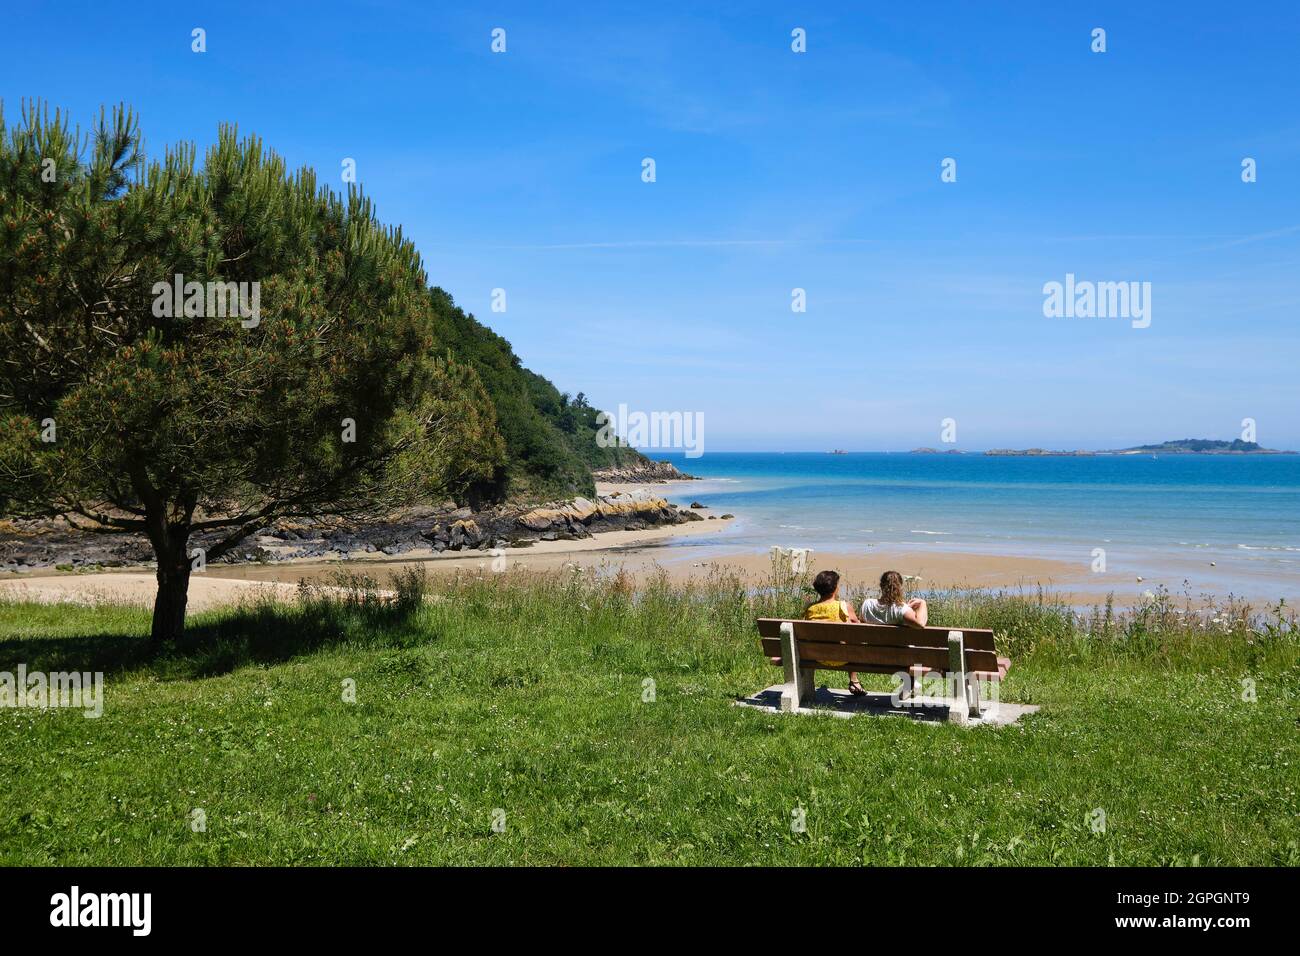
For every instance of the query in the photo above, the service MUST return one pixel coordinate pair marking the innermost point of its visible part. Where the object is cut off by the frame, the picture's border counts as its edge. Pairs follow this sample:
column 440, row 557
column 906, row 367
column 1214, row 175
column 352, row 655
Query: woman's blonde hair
column 891, row 588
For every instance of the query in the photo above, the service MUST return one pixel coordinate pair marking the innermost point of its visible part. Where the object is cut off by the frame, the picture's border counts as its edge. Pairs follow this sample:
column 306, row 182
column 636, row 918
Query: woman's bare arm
column 917, row 613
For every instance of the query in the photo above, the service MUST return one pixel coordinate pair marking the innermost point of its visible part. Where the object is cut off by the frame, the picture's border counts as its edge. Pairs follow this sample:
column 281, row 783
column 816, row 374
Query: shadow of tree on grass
column 218, row 642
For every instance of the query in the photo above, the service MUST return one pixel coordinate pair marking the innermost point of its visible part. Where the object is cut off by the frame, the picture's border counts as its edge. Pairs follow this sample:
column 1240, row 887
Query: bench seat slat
column 975, row 639
column 868, row 668
column 898, row 657
column 816, row 653
column 1004, row 664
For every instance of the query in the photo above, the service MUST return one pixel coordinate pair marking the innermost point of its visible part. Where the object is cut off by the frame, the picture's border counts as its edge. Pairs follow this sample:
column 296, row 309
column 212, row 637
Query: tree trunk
column 173, row 588
column 167, row 522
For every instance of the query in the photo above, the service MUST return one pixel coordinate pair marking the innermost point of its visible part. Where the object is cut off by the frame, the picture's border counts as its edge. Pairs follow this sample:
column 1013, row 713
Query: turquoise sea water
column 1165, row 512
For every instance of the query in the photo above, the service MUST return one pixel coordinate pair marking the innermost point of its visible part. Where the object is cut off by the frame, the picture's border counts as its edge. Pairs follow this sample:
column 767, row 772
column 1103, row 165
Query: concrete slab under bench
column 835, row 702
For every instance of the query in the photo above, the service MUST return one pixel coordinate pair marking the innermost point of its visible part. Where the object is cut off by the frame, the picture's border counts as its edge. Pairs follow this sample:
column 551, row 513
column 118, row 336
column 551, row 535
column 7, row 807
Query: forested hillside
column 550, row 437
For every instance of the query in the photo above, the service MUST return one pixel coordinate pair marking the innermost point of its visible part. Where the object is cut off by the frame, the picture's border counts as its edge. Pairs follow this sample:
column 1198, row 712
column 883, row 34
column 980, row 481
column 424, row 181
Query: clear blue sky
column 779, row 170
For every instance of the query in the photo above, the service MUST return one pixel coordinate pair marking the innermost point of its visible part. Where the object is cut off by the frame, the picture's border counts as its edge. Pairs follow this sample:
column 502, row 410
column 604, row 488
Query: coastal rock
column 28, row 545
column 647, row 471
column 622, row 504
column 580, row 509
column 540, row 519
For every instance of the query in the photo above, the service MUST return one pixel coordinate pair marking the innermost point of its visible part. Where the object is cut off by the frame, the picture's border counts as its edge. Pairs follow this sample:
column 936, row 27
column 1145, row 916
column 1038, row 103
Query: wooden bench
column 964, row 656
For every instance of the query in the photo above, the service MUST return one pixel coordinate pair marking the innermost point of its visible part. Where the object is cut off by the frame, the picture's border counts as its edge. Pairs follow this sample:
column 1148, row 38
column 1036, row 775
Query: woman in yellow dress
column 829, row 607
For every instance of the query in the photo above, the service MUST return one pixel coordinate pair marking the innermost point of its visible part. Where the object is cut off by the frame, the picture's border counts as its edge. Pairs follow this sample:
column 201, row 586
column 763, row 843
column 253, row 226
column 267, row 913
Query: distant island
column 1183, row 446
column 1204, row 446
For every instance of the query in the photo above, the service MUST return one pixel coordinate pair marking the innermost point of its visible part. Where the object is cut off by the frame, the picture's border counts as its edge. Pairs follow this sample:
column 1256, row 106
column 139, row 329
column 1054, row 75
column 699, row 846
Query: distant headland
column 1183, row 446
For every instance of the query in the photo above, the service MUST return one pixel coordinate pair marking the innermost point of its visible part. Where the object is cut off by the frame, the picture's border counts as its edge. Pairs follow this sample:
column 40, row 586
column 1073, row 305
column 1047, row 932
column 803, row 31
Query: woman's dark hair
column 891, row 588
column 825, row 583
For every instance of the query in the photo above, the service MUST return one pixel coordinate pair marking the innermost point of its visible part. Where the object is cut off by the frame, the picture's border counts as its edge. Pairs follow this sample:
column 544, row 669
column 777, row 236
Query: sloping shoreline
column 35, row 546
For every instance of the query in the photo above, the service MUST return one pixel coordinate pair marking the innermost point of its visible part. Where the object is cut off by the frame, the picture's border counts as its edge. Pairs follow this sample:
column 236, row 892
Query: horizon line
column 925, row 450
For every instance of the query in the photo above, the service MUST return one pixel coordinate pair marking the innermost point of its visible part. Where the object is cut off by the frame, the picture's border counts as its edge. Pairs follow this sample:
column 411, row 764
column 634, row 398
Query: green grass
column 526, row 695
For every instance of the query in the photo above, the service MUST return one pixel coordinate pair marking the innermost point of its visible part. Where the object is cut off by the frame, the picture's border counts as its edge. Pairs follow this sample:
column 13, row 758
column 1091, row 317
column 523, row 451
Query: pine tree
column 124, row 408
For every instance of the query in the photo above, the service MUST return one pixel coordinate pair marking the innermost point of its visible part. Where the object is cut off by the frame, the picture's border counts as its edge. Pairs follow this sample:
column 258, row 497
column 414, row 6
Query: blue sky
column 778, row 170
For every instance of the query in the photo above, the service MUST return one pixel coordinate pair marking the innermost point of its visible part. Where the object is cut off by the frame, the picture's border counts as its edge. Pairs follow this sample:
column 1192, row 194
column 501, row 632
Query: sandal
column 856, row 689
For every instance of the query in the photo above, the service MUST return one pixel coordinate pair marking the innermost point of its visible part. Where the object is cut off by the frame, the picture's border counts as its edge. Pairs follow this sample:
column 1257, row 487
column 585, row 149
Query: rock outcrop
column 30, row 545
column 646, row 472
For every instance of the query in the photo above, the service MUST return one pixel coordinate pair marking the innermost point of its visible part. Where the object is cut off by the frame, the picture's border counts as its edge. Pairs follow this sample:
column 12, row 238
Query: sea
column 1153, row 513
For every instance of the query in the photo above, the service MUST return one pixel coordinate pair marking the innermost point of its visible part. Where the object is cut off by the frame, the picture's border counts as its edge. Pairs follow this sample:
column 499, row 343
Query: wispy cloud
column 1256, row 237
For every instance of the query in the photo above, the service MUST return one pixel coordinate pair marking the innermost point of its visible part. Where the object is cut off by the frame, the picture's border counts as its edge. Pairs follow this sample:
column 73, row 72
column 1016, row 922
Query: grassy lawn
column 526, row 695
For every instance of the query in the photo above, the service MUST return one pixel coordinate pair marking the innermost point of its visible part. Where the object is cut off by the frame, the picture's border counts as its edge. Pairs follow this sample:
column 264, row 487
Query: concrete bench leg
column 807, row 685
column 790, row 694
column 959, row 709
column 973, row 693
column 800, row 682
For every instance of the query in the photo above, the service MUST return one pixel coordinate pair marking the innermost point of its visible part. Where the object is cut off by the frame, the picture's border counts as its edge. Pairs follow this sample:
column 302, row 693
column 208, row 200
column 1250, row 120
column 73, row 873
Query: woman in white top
column 892, row 607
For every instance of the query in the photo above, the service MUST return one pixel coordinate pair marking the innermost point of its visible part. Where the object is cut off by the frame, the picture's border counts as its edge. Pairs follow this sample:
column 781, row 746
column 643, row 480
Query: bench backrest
column 827, row 645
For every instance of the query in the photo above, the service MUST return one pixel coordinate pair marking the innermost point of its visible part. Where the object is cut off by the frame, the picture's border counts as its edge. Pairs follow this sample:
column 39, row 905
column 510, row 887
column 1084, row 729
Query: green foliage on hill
column 550, row 438
column 1202, row 445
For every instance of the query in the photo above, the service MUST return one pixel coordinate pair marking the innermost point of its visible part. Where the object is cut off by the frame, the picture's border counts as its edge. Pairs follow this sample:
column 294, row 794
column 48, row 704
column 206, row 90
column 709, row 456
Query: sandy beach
column 229, row 584
column 680, row 552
